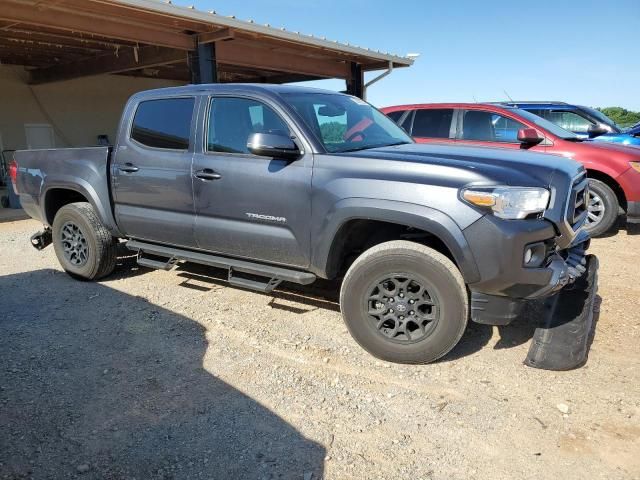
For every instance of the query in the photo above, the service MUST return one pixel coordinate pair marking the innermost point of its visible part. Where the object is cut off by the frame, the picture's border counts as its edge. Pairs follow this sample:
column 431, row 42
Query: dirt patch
column 174, row 375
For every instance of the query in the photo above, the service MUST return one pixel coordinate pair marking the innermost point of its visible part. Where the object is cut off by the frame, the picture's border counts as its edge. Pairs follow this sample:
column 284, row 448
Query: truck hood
column 481, row 164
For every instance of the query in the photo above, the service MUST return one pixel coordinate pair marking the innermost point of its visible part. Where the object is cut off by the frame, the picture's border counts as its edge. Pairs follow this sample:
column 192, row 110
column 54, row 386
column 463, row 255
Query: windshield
column 602, row 118
column 344, row 123
column 547, row 125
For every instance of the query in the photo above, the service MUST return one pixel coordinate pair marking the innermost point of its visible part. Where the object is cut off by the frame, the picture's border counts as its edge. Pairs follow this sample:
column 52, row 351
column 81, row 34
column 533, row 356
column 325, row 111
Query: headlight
column 509, row 202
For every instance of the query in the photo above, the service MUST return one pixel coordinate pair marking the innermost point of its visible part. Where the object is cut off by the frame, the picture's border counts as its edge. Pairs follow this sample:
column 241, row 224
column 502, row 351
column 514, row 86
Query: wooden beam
column 93, row 24
column 88, row 45
column 252, row 56
column 218, row 36
column 126, row 60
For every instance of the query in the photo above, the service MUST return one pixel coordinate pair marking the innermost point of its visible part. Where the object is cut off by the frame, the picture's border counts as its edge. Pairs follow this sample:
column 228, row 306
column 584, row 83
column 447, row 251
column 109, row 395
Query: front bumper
column 505, row 282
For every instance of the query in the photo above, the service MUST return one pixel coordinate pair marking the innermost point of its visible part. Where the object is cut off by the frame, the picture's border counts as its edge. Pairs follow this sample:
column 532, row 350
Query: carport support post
column 202, row 63
column 355, row 84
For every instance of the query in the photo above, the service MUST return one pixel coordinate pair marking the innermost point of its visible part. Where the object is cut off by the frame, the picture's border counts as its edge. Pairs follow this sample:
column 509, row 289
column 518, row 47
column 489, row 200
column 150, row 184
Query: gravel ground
column 152, row 374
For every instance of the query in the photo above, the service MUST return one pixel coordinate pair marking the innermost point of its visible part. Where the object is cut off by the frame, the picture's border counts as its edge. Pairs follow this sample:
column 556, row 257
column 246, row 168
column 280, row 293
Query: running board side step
column 273, row 274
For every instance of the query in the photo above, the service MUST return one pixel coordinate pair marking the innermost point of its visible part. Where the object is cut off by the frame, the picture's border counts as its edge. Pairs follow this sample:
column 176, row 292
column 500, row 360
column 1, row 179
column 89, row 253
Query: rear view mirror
column 597, row 130
column 277, row 145
column 331, row 111
column 529, row 137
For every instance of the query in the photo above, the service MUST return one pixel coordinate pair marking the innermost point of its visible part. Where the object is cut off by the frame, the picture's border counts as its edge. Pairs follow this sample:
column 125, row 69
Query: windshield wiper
column 368, row 147
column 573, row 139
column 356, row 149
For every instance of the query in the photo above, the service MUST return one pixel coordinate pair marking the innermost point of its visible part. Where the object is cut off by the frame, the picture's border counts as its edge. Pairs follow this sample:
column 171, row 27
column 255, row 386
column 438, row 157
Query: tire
column 89, row 252
column 603, row 208
column 426, row 268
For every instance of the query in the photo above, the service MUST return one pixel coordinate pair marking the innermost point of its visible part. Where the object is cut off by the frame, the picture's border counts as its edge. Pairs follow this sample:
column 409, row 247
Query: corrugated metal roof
column 167, row 8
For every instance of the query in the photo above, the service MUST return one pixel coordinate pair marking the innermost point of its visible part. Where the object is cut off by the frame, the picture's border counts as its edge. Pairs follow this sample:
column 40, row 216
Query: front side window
column 484, row 126
column 344, row 123
column 233, row 120
column 505, row 129
column 432, row 123
column 163, row 123
column 569, row 121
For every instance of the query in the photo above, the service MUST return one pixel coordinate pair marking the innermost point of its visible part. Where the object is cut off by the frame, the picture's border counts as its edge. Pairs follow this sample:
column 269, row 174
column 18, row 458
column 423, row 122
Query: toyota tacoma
column 282, row 183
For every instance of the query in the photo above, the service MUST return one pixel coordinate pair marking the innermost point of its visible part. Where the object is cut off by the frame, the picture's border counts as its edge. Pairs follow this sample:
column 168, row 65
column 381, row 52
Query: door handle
column 128, row 168
column 208, row 174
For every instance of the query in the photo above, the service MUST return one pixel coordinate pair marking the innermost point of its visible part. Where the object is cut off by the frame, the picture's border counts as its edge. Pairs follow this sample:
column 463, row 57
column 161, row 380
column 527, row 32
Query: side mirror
column 529, row 137
column 597, row 130
column 276, row 145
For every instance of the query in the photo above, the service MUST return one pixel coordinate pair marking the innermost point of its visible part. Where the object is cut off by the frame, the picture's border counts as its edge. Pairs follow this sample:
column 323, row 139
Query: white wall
column 79, row 110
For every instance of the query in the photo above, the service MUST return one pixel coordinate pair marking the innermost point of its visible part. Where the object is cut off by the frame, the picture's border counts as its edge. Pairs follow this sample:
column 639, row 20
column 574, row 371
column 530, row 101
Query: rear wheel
column 83, row 245
column 404, row 302
column 602, row 209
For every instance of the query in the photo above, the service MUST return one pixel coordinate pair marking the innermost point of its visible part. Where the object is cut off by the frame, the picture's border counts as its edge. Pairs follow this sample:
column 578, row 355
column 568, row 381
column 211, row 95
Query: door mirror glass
column 529, row 136
column 277, row 145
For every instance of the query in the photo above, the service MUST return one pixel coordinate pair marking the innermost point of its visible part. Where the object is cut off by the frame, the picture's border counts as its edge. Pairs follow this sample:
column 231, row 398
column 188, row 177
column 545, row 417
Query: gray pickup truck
column 282, row 183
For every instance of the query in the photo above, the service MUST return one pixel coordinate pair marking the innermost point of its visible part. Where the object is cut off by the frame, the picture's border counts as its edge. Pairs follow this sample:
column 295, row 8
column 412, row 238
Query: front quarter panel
column 417, row 195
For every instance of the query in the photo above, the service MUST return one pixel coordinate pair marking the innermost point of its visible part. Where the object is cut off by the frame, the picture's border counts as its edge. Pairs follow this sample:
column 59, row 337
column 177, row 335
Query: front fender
column 420, row 217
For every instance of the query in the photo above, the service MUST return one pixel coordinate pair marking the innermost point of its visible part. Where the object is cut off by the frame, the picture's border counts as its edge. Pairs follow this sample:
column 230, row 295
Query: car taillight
column 13, row 175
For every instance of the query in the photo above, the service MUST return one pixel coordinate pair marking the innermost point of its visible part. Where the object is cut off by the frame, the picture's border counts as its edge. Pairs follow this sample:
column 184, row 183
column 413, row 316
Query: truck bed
column 82, row 170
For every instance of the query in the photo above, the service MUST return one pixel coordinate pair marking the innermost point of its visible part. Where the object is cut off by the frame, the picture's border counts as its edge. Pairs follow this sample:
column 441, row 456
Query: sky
column 585, row 52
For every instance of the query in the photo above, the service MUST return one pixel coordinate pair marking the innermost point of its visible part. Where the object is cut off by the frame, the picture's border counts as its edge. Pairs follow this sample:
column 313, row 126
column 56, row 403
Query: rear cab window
column 163, row 123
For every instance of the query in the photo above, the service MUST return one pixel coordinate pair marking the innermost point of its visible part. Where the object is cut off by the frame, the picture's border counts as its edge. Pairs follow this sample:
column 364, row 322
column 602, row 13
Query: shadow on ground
column 94, row 379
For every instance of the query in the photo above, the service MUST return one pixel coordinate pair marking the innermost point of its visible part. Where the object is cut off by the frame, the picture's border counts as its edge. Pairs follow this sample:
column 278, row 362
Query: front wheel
column 84, row 247
column 602, row 209
column 404, row 302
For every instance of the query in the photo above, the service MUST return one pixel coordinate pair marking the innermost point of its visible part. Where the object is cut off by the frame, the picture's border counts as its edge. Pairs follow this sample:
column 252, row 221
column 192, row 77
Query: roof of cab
column 230, row 87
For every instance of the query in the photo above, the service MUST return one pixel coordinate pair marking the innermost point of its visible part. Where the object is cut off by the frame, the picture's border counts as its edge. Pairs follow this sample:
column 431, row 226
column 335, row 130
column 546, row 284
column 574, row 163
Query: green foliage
column 622, row 116
column 333, row 132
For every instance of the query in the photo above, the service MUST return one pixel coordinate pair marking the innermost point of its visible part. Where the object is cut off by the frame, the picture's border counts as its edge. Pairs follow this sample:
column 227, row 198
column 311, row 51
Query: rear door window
column 432, row 123
column 164, row 123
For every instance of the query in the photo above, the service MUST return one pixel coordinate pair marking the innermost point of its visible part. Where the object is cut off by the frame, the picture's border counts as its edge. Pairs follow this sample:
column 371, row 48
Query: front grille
column 577, row 209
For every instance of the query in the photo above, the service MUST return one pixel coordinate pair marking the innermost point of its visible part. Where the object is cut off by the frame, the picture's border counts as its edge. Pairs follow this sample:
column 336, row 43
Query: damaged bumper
column 562, row 340
column 561, row 270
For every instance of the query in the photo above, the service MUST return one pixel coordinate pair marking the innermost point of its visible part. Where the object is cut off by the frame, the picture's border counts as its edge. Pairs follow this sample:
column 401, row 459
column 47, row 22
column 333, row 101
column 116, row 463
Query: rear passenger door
column 489, row 129
column 151, row 171
column 433, row 125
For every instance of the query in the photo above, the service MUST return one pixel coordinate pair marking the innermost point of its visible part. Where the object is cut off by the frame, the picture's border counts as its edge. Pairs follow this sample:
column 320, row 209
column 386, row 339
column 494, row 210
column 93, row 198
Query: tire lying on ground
column 603, row 208
column 84, row 247
column 404, row 302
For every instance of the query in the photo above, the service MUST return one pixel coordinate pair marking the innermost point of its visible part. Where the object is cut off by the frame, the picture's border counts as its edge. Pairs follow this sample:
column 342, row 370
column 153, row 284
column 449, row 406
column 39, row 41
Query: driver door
column 246, row 205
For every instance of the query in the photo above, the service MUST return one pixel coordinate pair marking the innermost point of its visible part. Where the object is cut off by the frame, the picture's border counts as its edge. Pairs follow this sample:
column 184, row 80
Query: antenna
column 508, row 96
column 475, row 100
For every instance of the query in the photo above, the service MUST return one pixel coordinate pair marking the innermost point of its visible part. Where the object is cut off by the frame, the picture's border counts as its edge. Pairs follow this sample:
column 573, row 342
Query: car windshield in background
column 344, row 123
column 547, row 125
column 602, row 118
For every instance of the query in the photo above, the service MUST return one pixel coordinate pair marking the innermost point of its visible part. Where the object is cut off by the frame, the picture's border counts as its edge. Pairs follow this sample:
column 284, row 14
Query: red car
column 614, row 170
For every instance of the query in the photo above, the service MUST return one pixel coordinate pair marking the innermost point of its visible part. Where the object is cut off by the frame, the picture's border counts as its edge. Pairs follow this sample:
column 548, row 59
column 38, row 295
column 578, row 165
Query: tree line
column 621, row 116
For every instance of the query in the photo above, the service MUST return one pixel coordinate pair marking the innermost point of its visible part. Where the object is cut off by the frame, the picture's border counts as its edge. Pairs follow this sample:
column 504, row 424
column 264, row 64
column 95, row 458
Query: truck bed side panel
column 84, row 170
